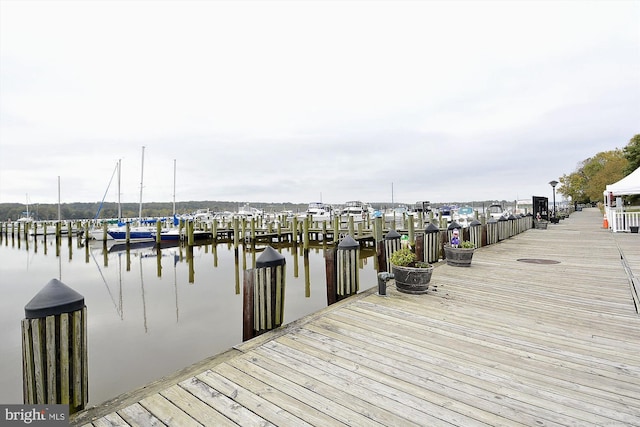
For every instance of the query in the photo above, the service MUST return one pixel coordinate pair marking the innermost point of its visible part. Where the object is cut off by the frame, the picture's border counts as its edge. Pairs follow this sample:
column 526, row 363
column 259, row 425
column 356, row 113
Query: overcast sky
column 300, row 101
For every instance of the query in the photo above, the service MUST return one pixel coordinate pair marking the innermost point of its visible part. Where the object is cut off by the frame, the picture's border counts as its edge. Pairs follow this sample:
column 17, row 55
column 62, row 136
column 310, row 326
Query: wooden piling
column 54, row 348
column 431, row 244
column 411, row 232
column 263, row 307
column 330, row 274
column 347, row 256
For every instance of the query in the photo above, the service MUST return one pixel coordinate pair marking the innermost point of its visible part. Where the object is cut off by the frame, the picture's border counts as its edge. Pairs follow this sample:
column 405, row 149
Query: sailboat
column 26, row 216
column 138, row 233
column 174, row 233
column 98, row 233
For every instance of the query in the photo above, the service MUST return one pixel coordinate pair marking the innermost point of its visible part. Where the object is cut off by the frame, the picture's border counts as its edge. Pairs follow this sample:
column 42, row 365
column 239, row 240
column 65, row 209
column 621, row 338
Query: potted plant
column 411, row 276
column 540, row 223
column 459, row 254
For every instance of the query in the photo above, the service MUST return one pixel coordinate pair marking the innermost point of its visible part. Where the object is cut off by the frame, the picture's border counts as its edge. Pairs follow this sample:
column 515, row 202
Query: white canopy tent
column 618, row 219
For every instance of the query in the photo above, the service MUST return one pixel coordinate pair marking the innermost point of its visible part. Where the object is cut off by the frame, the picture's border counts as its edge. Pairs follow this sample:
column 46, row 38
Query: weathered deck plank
column 502, row 343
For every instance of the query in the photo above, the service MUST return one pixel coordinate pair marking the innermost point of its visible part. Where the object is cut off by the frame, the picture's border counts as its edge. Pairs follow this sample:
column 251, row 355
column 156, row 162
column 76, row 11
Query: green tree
column 632, row 154
column 588, row 182
column 572, row 186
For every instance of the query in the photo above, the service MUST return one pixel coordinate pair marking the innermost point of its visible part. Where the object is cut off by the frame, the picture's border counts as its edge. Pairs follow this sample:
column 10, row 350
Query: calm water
column 150, row 312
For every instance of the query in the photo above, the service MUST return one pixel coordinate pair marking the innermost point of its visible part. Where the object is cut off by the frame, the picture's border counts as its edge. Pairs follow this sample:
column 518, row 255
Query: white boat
column 355, row 209
column 204, row 215
column 26, row 216
column 496, row 211
column 396, row 215
column 318, row 211
column 464, row 216
column 248, row 212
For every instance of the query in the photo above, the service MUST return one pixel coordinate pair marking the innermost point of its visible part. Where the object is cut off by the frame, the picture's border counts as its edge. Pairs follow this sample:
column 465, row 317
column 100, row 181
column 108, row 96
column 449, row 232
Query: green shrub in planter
column 406, row 258
column 411, row 276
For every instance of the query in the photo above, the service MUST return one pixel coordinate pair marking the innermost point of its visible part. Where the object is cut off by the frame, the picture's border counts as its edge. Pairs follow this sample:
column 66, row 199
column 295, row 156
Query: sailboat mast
column 141, row 181
column 119, row 205
column 59, row 198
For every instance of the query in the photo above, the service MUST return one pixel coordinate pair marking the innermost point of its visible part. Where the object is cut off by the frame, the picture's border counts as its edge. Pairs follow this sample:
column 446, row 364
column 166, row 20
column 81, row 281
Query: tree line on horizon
column 587, row 183
column 84, row 210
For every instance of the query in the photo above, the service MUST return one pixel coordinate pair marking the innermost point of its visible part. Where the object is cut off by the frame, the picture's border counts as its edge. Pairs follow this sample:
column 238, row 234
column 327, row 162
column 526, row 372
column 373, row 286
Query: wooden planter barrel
column 412, row 280
column 541, row 225
column 458, row 257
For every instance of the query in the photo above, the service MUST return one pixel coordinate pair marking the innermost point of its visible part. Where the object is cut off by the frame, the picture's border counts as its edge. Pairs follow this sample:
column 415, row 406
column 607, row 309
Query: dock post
column 431, row 243
column 411, row 231
column 351, row 227
column 190, row 236
column 330, row 272
column 475, row 233
column 391, row 244
column 128, row 233
column 264, row 291
column 378, row 229
column 528, row 221
column 511, row 227
column 158, row 232
column 294, row 229
column 253, row 229
column 503, row 228
column 492, row 231
column 419, row 247
column 236, row 233
column 54, row 348
column 347, row 279
column 305, row 233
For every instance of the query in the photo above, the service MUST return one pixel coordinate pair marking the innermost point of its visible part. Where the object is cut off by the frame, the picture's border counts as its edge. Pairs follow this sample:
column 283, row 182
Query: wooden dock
column 542, row 330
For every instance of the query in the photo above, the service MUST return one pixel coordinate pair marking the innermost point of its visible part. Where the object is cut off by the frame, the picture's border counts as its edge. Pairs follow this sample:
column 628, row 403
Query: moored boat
column 464, row 216
column 136, row 234
column 496, row 211
column 318, row 211
column 355, row 209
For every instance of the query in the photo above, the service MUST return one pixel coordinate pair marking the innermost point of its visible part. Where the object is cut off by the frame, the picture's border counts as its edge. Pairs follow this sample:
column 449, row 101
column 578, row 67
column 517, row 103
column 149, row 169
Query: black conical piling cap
column 475, row 223
column 503, row 218
column 392, row 235
column 55, row 298
column 431, row 228
column 270, row 258
column 511, row 217
column 492, row 221
column 454, row 225
column 348, row 243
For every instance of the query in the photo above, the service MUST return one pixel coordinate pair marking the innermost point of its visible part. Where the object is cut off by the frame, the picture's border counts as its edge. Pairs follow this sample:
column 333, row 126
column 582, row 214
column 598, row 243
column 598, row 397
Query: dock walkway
column 541, row 330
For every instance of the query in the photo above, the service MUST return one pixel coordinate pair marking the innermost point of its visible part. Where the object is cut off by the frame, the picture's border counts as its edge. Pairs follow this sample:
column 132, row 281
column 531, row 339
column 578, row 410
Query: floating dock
column 542, row 330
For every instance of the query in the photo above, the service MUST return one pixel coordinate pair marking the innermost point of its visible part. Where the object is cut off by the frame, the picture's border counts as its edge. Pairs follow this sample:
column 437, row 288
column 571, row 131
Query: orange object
column 605, row 222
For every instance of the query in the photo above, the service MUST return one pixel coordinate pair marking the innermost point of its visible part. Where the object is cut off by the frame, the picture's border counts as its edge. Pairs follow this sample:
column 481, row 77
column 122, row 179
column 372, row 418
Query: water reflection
column 151, row 310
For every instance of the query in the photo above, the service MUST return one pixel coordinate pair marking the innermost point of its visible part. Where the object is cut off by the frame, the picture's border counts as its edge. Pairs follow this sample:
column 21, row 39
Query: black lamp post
column 553, row 184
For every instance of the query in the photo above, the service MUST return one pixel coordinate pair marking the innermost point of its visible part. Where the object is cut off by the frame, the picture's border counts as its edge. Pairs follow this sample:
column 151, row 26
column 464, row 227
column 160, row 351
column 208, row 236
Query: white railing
column 623, row 221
